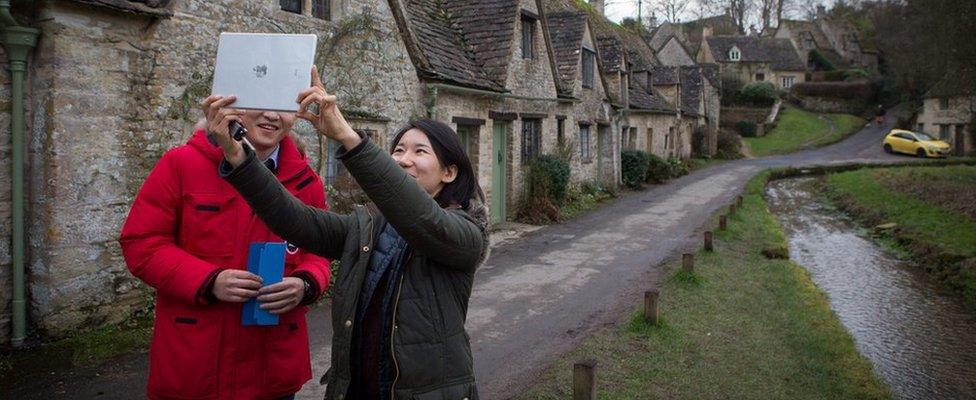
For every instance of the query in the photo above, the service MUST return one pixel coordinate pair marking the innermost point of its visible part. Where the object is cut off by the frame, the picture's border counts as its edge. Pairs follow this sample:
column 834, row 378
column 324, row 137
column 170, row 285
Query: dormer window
column 589, row 67
column 528, row 34
column 735, row 54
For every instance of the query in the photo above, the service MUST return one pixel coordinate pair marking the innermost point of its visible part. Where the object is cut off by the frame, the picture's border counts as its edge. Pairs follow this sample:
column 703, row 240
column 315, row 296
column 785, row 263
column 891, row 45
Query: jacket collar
column 290, row 161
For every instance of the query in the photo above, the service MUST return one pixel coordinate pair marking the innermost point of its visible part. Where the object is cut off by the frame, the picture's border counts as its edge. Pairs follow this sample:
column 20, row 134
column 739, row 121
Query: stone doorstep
column 507, row 232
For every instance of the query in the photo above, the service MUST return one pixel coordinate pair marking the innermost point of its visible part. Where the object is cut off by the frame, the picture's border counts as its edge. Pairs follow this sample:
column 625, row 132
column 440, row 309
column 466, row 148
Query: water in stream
column 921, row 340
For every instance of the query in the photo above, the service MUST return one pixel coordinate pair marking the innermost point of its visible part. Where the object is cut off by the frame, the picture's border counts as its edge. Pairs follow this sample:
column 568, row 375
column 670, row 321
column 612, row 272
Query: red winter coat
column 186, row 225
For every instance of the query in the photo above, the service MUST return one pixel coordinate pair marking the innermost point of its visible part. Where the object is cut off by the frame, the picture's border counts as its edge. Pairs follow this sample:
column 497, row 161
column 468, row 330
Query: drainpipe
column 18, row 42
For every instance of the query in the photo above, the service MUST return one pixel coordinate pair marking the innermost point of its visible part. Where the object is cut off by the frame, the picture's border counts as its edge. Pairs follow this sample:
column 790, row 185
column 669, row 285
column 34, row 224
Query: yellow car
column 917, row 143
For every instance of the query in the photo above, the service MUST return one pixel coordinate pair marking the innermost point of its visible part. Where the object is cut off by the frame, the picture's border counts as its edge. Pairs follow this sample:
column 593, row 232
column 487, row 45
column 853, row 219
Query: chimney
column 821, row 11
column 598, row 5
column 706, row 31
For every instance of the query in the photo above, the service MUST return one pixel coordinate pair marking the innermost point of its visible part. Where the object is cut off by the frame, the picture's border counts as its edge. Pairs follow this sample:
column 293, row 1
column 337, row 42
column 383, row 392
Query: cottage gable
column 778, row 53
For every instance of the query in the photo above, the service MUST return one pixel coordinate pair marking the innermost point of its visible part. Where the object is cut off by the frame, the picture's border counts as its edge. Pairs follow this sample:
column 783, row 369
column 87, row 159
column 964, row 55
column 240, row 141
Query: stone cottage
column 754, row 59
column 948, row 111
column 581, row 76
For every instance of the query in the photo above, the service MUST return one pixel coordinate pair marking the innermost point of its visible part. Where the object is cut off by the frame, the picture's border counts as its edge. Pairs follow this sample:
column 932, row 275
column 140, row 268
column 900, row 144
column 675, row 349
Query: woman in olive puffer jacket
column 407, row 260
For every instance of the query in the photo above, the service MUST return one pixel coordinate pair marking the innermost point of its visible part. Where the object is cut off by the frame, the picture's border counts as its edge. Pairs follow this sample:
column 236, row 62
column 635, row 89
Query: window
column 624, row 137
column 294, row 6
column 468, row 134
column 760, row 77
column 333, row 168
column 944, row 103
column 528, row 37
column 322, row 9
column 584, row 131
column 531, row 139
column 735, row 54
column 943, row 132
column 669, row 140
column 589, row 62
column 632, row 141
column 921, row 127
column 788, row 81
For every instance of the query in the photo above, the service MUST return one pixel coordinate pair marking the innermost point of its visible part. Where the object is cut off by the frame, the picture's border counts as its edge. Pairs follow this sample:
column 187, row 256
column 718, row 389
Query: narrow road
column 540, row 295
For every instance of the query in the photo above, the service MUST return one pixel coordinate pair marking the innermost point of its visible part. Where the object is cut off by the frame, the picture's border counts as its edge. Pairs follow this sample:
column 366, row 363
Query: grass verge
column 798, row 129
column 86, row 349
column 743, row 326
column 938, row 237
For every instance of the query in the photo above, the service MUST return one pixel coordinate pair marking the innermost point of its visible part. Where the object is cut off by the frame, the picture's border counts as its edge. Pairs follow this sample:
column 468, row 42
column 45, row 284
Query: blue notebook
column 266, row 260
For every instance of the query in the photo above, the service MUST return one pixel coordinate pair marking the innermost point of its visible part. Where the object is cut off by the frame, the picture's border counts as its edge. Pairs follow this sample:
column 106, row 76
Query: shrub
column 658, row 170
column 746, row 128
column 549, row 177
column 835, row 76
column 633, row 165
column 761, row 94
column 729, row 145
column 677, row 167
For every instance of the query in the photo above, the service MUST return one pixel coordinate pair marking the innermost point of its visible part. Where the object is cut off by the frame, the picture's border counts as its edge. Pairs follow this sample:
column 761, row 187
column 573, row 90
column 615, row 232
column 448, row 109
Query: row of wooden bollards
column 584, row 372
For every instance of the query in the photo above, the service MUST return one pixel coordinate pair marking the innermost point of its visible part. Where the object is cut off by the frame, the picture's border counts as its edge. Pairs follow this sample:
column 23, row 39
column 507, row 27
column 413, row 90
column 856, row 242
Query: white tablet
column 264, row 70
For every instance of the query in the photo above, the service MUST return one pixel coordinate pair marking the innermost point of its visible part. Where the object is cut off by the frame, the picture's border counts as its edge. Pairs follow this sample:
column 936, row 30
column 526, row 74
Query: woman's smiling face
column 416, row 156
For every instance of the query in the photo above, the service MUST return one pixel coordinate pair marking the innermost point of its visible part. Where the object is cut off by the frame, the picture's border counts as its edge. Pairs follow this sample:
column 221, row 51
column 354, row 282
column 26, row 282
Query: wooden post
column 584, row 380
column 721, row 222
column 738, row 201
column 688, row 262
column 708, row 241
column 650, row 307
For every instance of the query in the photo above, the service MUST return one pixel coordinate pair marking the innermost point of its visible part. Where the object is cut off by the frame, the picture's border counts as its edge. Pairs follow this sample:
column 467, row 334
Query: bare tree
column 671, row 10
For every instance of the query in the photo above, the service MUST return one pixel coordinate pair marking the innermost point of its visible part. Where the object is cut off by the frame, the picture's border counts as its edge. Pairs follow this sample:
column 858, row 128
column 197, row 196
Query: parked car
column 917, row 143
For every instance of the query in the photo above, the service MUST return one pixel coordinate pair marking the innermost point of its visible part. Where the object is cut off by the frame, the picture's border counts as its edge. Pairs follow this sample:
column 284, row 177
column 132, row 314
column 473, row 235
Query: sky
column 617, row 10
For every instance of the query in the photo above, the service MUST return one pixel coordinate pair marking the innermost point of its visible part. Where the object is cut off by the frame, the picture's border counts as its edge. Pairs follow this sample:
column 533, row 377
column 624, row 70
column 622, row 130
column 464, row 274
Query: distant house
column 754, row 59
column 836, row 41
column 948, row 110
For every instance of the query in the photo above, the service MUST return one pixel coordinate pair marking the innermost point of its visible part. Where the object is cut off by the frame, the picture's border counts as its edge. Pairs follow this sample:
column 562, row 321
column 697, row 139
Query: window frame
column 299, row 3
column 943, row 103
column 788, row 81
column 735, row 54
column 528, row 36
column 588, row 58
column 322, row 9
column 531, row 146
column 584, row 139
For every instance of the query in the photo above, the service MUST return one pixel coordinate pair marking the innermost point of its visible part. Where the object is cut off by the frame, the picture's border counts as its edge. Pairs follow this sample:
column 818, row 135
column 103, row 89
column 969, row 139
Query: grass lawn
column 742, row 326
column 798, row 129
column 931, row 224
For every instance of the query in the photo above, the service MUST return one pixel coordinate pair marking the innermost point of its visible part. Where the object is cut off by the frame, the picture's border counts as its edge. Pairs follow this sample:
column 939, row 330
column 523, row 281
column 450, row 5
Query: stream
column 920, row 339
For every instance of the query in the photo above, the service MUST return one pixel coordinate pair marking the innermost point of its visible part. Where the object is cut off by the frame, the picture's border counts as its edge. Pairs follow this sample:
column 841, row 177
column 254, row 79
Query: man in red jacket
column 187, row 236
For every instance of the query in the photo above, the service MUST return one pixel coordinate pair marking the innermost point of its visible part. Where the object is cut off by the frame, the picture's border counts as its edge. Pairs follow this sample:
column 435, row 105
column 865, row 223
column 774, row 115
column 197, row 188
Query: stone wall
column 6, row 252
column 112, row 91
column 731, row 115
column 833, row 105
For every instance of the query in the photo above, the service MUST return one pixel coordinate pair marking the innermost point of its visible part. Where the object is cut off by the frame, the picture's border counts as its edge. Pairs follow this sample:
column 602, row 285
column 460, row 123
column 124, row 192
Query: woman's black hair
column 448, row 149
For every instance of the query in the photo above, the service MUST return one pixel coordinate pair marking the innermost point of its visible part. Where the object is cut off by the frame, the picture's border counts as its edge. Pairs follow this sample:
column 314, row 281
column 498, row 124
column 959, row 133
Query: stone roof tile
column 779, row 53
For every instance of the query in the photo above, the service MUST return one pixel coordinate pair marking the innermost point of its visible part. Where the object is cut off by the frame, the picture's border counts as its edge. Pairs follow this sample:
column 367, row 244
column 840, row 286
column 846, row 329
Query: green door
column 499, row 173
column 601, row 175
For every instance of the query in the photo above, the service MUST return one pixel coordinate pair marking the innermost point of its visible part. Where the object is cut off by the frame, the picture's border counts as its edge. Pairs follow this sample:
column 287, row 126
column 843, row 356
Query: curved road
column 538, row 296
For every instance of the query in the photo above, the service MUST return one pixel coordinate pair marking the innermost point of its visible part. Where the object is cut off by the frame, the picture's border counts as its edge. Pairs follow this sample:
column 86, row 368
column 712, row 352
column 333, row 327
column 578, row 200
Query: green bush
column 633, row 166
column 821, row 62
column 761, row 94
column 677, row 167
column 658, row 170
column 549, row 177
column 746, row 128
column 729, row 145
